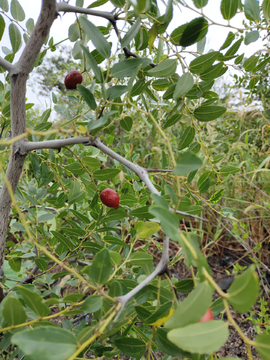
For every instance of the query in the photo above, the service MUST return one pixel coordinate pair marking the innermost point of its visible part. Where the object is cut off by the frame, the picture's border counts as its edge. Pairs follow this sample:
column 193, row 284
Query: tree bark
column 18, row 77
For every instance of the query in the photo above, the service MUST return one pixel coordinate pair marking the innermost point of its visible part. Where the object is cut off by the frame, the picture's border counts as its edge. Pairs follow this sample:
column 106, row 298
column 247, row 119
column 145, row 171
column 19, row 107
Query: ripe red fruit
column 207, row 316
column 110, row 198
column 72, row 79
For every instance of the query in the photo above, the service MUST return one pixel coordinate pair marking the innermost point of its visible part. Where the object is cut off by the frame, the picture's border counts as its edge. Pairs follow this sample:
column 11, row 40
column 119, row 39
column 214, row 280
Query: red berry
column 207, row 316
column 110, row 198
column 72, row 79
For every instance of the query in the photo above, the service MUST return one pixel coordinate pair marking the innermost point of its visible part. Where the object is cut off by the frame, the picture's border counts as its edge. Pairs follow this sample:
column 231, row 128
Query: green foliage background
column 150, row 105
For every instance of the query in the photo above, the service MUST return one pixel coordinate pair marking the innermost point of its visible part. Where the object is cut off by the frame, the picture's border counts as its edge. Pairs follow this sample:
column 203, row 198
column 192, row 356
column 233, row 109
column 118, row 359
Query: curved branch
column 139, row 171
column 64, row 7
column 6, row 64
column 159, row 270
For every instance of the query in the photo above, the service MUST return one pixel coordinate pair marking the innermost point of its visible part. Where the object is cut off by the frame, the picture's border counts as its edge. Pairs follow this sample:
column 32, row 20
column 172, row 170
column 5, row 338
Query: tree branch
column 64, row 7
column 139, row 171
column 159, row 270
column 52, row 144
column 18, row 76
column 6, row 64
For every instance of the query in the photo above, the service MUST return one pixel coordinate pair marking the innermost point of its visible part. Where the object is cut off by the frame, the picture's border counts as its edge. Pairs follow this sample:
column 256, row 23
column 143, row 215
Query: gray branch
column 141, row 172
column 159, row 270
column 52, row 144
column 18, row 77
column 138, row 170
column 6, row 64
column 64, row 7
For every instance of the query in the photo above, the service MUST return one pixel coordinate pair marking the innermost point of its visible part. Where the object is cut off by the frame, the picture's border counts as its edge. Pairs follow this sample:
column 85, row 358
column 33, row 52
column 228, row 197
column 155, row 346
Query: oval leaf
column 209, row 113
column 200, row 338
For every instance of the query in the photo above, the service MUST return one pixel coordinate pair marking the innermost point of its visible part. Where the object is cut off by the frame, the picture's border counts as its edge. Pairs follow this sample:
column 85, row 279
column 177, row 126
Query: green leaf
column 251, row 37
column 46, row 343
column 147, row 229
column 194, row 31
column 200, row 3
column 118, row 3
column 141, row 213
column 262, row 343
column 192, row 308
column 204, row 181
column 250, row 63
column 203, row 62
column 252, row 10
column 159, row 313
column 105, row 174
column 234, row 48
column 34, row 301
column 2, row 26
column 209, row 113
column 15, row 37
column 126, row 68
column 97, row 4
column 73, row 32
column 183, row 85
column 217, row 306
column 91, row 162
column 41, row 264
column 116, row 91
column 46, row 217
column 87, row 96
column 17, row 11
column 140, row 258
column 213, row 72
column 169, row 221
column 164, row 69
column 177, row 33
column 228, row 41
column 101, row 267
column 63, row 240
column 228, row 8
column 166, row 346
column 92, row 304
column 132, row 32
column 161, row 84
column 4, row 5
column 132, row 347
column 187, row 138
column 13, row 311
column 266, row 9
column 244, row 291
column 98, row 124
column 217, row 196
column 75, row 168
column 72, row 298
column 141, row 39
column 184, row 286
column 93, row 64
column 210, row 336
column 15, row 263
column 96, row 36
column 172, row 120
column 229, row 169
column 126, row 123
column 188, row 162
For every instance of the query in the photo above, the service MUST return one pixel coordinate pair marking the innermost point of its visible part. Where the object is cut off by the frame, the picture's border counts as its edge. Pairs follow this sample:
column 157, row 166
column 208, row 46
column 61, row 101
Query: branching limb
column 138, row 170
column 6, row 64
column 64, row 7
column 52, row 144
column 159, row 270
